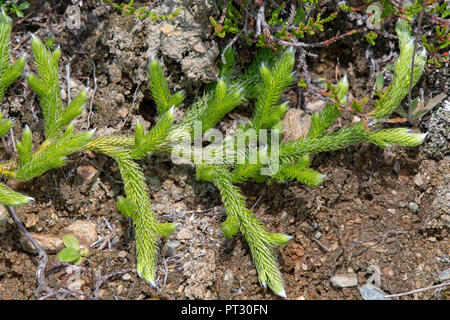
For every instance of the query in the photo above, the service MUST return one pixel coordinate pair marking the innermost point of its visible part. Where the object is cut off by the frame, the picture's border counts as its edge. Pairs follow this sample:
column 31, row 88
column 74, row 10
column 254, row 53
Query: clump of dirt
column 437, row 144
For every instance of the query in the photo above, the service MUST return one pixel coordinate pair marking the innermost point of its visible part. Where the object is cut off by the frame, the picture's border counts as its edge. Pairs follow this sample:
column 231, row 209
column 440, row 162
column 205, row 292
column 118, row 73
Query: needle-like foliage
column 8, row 72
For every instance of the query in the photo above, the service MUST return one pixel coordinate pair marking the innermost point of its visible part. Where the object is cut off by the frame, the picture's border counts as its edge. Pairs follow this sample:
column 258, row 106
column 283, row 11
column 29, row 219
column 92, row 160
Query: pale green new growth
column 9, row 197
column 399, row 88
column 46, row 85
column 160, row 89
column 5, row 125
column 264, row 82
column 226, row 98
column 8, row 72
column 274, row 82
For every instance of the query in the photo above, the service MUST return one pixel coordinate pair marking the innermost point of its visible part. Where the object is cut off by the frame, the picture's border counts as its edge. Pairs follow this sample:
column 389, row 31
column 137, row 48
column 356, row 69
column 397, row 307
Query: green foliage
column 141, row 13
column 72, row 252
column 160, row 89
column 9, row 197
column 417, row 109
column 14, row 7
column 371, row 37
column 282, row 23
column 435, row 29
column 399, row 87
column 50, row 43
column 274, row 82
column 226, row 97
column 8, row 72
column 5, row 125
column 229, row 23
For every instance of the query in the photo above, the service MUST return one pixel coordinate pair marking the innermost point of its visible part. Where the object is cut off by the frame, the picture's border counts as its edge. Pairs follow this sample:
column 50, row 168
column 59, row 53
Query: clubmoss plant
column 225, row 163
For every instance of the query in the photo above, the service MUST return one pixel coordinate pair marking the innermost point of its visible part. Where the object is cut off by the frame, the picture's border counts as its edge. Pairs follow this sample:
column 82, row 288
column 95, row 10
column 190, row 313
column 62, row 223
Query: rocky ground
column 379, row 222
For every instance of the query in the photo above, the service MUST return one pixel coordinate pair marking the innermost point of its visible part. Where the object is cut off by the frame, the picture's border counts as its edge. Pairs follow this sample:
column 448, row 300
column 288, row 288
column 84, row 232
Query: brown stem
column 419, row 23
column 43, row 259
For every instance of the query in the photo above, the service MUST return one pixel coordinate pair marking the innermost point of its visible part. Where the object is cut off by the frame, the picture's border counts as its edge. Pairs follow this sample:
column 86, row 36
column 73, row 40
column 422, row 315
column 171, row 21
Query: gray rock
column 413, row 207
column 370, row 292
column 169, row 247
column 126, row 277
column 184, row 234
column 444, row 275
column 315, row 106
column 84, row 231
column 229, row 276
column 154, row 181
column 344, row 280
column 177, row 193
column 437, row 144
column 5, row 219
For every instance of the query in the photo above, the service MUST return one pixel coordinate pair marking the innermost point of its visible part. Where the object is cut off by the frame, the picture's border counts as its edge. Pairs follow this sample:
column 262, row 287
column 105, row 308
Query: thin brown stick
column 43, row 259
column 444, row 284
column 100, row 280
column 93, row 95
column 320, row 244
column 419, row 23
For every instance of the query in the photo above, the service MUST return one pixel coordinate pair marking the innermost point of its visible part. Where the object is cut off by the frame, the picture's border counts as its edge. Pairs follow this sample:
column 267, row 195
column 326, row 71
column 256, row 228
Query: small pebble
column 344, row 280
column 126, row 277
column 444, row 275
column 169, row 247
column 396, row 166
column 315, row 106
column 229, row 275
column 413, row 207
column 87, row 173
column 370, row 292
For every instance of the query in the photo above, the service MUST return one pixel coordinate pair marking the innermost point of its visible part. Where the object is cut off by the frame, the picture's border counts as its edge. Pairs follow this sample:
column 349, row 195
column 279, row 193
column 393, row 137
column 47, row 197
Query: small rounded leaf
column 71, row 242
column 68, row 255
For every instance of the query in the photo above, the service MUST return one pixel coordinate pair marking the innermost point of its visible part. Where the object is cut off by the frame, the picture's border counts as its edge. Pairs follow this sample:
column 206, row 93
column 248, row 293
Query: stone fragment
column 167, row 30
column 48, row 242
column 344, row 280
column 371, row 292
column 315, row 106
column 444, row 275
column 296, row 124
column 169, row 247
column 87, row 174
column 84, row 231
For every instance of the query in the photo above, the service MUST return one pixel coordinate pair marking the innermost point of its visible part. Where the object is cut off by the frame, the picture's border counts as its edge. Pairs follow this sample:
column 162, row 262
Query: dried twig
column 93, row 95
column 437, row 286
column 419, row 23
column 100, row 280
column 43, row 259
column 224, row 61
column 320, row 244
